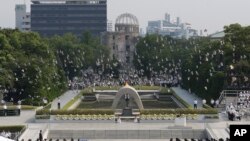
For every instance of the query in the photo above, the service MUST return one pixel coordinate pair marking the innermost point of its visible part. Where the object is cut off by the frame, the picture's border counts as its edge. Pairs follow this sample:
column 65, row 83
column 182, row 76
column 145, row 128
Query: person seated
column 231, row 115
column 237, row 115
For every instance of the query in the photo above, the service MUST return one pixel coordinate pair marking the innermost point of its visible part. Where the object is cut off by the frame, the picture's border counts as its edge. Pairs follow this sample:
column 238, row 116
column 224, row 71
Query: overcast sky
column 202, row 14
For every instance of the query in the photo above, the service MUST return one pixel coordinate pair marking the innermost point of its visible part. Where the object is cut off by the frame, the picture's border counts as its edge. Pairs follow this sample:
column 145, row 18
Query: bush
column 166, row 91
column 178, row 111
column 43, row 112
column 76, row 112
column 87, row 91
column 16, row 128
column 42, row 116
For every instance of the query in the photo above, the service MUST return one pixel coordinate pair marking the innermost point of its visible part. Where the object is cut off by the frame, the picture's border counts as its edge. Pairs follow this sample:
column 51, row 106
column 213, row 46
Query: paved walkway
column 189, row 98
column 32, row 131
column 65, row 98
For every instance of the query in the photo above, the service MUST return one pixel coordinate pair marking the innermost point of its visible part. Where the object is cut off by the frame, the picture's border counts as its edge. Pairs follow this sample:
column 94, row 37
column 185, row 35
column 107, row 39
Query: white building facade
column 174, row 29
column 22, row 18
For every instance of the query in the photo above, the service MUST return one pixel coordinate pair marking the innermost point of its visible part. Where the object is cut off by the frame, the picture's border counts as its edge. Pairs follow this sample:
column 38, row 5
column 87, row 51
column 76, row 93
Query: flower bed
column 84, row 117
column 168, row 116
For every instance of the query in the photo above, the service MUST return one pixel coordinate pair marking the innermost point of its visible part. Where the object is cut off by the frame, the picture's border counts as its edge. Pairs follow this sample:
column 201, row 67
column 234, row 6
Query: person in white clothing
column 195, row 104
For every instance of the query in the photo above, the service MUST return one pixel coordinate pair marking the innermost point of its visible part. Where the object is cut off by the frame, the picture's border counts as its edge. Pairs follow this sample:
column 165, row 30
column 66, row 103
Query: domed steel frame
column 127, row 19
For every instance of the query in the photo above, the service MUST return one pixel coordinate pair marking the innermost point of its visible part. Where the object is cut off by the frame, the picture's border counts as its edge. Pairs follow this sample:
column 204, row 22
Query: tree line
column 203, row 65
column 36, row 69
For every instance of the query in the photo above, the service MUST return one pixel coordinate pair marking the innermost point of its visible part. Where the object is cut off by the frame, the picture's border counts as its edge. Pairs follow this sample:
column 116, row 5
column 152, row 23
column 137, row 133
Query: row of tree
column 203, row 65
column 36, row 69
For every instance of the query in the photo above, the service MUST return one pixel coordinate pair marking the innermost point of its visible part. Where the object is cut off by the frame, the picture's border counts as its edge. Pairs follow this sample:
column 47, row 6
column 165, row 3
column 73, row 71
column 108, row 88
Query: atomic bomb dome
column 127, row 19
column 127, row 23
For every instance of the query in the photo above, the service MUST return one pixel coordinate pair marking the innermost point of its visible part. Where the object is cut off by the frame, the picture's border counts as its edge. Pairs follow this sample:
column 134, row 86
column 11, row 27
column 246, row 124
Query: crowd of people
column 95, row 79
column 241, row 108
column 244, row 100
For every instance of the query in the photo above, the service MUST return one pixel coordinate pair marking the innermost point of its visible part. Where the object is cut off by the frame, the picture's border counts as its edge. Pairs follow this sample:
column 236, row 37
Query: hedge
column 87, row 91
column 178, row 111
column 16, row 128
column 76, row 112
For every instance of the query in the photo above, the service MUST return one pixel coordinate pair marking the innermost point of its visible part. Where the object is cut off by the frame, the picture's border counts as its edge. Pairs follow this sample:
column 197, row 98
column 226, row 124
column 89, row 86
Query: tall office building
column 57, row 17
column 22, row 18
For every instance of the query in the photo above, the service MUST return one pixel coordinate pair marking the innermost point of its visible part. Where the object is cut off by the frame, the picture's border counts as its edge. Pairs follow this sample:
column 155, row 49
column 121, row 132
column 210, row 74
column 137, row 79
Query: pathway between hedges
column 185, row 95
column 65, row 98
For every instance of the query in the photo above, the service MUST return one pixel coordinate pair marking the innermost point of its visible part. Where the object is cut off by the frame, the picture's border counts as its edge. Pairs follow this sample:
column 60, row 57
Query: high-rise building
column 174, row 29
column 109, row 26
column 22, row 18
column 57, row 17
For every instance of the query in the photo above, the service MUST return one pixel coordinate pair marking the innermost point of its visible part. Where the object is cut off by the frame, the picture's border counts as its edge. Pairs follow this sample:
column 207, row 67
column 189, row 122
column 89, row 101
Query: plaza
column 127, row 130
column 66, row 75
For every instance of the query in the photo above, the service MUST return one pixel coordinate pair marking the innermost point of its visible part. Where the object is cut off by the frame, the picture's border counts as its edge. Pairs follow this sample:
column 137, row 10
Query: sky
column 201, row 14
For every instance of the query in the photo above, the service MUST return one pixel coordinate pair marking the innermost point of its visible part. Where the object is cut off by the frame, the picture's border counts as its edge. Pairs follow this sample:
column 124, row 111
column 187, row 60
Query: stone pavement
column 27, row 118
column 65, row 98
column 32, row 131
column 189, row 98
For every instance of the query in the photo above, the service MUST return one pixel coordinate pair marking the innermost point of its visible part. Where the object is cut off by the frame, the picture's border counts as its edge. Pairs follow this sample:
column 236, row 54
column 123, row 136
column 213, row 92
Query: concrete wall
column 127, row 134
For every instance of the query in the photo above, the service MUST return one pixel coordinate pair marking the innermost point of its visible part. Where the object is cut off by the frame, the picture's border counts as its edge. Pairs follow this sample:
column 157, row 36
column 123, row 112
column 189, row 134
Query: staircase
column 229, row 96
column 32, row 132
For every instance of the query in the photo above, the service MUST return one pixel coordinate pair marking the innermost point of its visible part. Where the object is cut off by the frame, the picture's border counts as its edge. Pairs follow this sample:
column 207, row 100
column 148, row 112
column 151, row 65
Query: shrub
column 42, row 116
column 178, row 111
column 43, row 112
column 87, row 91
column 16, row 128
column 76, row 112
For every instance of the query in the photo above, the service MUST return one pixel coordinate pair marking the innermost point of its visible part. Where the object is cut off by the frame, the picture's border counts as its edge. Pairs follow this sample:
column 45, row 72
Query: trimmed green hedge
column 76, row 112
column 178, row 111
column 166, row 91
column 87, row 91
column 16, row 128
